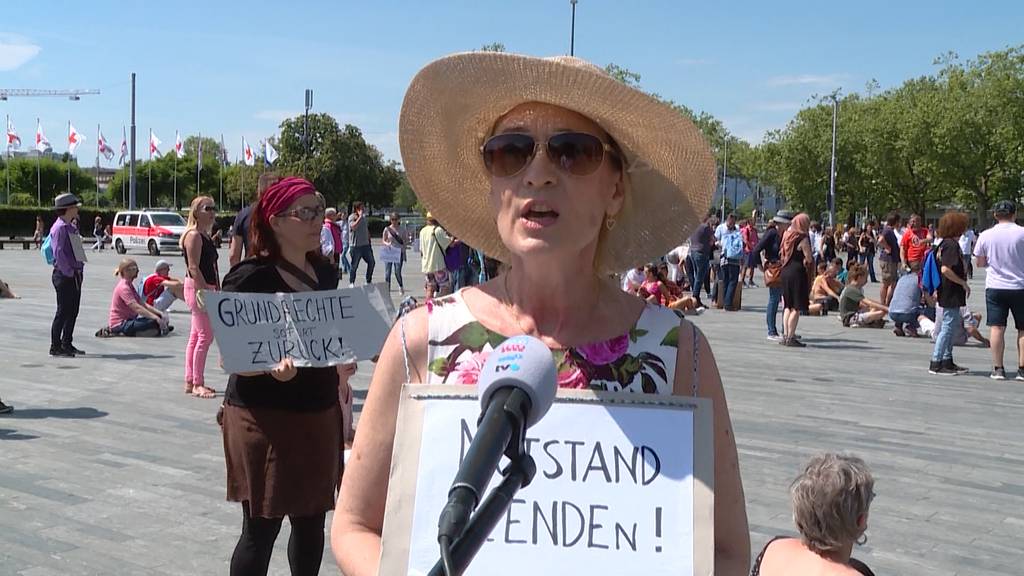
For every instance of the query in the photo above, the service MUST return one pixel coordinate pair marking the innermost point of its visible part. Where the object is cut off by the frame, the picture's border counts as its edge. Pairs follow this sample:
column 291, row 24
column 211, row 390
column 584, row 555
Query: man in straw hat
column 68, row 267
column 565, row 175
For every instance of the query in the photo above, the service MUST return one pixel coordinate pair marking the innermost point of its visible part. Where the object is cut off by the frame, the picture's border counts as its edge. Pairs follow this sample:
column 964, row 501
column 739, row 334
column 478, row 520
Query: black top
column 770, row 244
column 702, row 240
column 207, row 260
column 854, row 563
column 312, row 389
column 951, row 294
column 867, row 243
column 242, row 227
column 889, row 235
column 852, row 246
column 828, row 249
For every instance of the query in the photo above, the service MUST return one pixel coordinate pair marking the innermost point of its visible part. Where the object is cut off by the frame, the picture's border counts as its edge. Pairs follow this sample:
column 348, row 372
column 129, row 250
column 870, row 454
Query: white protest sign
column 324, row 328
column 620, row 489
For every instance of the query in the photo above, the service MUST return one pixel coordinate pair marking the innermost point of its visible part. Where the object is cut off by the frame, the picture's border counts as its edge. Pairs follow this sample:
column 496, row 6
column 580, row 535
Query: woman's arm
column 732, row 535
column 359, row 514
column 805, row 247
column 194, row 249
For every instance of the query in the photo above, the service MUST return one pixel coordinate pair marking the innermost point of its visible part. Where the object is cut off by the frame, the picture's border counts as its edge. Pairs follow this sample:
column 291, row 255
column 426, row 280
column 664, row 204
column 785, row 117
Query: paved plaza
column 108, row 468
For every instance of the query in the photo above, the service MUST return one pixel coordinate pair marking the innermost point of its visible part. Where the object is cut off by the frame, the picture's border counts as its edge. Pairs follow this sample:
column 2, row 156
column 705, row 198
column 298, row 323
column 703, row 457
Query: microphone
column 517, row 386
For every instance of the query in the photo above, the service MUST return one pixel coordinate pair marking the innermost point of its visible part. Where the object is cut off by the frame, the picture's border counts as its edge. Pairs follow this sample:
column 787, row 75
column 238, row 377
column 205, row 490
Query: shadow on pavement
column 131, row 356
column 83, row 413
column 8, row 434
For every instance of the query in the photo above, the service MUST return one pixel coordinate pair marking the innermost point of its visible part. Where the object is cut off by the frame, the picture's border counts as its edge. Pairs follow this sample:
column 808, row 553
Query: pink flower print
column 572, row 377
column 467, row 372
column 602, row 353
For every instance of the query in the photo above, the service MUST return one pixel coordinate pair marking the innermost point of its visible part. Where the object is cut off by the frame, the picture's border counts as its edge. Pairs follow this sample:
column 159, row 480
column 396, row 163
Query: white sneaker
column 701, row 309
column 775, row 338
column 351, row 285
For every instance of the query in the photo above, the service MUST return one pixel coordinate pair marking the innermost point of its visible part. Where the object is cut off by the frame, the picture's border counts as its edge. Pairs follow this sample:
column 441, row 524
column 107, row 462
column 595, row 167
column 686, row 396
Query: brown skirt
column 282, row 463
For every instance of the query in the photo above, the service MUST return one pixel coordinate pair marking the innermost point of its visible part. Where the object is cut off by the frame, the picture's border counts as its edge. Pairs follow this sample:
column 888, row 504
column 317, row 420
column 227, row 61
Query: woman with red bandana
column 282, row 428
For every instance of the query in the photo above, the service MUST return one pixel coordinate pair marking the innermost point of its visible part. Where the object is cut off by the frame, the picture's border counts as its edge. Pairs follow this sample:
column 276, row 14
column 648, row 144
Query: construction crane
column 20, row 92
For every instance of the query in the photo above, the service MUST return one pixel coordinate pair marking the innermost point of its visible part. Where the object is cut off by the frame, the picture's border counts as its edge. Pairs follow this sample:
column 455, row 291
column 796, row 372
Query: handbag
column 773, row 275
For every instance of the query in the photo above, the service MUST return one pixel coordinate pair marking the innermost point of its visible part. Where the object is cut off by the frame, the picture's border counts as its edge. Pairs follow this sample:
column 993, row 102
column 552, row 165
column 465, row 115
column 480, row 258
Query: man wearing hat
column 69, row 262
column 1001, row 250
column 160, row 290
column 767, row 252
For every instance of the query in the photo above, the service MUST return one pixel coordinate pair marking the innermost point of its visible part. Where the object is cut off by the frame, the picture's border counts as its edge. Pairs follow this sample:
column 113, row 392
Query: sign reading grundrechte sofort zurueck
column 324, row 328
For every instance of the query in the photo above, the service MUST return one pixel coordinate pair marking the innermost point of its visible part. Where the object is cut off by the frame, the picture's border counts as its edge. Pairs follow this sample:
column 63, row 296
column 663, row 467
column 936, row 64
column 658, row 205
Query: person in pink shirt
column 749, row 263
column 129, row 315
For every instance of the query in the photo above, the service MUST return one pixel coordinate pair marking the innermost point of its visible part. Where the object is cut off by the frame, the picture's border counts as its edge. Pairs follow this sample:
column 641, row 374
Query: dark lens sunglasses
column 209, row 208
column 576, row 153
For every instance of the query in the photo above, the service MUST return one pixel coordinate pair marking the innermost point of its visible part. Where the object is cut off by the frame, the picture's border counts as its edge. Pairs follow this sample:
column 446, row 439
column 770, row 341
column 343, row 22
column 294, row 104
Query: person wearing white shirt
column 632, row 280
column 1000, row 249
column 967, row 240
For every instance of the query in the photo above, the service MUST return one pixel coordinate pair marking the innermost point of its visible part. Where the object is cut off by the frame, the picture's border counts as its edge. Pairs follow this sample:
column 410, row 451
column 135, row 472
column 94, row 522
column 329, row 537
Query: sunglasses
column 209, row 208
column 306, row 213
column 576, row 153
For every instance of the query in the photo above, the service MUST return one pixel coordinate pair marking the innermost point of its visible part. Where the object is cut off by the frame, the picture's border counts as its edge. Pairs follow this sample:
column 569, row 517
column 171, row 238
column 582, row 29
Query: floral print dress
column 642, row 360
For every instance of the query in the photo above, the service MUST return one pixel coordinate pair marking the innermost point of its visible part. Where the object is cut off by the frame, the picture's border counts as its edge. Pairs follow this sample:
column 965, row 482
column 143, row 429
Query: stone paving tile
column 110, row 469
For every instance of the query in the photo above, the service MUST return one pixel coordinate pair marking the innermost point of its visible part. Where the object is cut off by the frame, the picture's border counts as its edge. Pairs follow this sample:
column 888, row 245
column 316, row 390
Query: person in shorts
column 889, row 256
column 1000, row 249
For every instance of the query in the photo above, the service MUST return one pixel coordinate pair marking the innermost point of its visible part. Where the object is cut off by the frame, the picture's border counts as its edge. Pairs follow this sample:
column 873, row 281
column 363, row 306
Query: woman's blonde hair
column 829, row 498
column 192, row 223
column 125, row 263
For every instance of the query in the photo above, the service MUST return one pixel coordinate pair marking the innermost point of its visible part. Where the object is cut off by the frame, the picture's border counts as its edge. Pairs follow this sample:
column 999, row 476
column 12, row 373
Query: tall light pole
column 572, row 30
column 305, row 129
column 832, row 174
column 131, row 162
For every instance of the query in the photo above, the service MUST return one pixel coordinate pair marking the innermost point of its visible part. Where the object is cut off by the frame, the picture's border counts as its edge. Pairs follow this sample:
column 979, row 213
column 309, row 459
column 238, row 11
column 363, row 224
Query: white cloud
column 807, row 80
column 16, row 51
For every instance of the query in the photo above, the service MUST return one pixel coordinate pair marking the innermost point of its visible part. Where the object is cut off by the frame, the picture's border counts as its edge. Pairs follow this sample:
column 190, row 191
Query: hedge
column 16, row 221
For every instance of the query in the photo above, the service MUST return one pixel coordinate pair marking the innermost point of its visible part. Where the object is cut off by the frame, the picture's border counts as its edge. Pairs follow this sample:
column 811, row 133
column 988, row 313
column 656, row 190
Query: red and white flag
column 74, row 138
column 103, row 148
column 179, row 147
column 13, row 140
column 247, row 156
column 124, row 146
column 154, row 145
column 42, row 144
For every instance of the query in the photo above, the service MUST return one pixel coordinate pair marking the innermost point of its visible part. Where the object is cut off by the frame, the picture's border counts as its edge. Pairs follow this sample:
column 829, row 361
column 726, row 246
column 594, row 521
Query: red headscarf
column 797, row 231
column 281, row 194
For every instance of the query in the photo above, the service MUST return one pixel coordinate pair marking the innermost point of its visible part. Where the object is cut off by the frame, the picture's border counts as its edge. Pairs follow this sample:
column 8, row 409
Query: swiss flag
column 248, row 157
column 154, row 145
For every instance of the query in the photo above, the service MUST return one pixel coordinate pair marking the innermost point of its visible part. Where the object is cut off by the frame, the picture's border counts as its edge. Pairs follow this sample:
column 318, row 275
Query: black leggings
column 256, row 544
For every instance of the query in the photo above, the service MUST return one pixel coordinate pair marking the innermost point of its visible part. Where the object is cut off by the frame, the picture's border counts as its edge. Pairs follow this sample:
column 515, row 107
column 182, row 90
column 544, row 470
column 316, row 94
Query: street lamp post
column 832, row 173
column 572, row 30
column 305, row 129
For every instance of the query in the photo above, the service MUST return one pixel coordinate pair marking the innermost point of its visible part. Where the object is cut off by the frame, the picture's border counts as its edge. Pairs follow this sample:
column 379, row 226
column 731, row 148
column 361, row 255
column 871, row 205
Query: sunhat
column 66, row 200
column 784, row 216
column 451, row 107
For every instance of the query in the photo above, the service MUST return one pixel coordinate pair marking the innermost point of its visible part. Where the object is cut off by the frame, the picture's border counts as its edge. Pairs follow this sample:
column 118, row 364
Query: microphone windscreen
column 526, row 363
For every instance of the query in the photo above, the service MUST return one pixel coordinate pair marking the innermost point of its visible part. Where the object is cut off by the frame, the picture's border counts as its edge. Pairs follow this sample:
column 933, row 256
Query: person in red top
column 160, row 290
column 915, row 242
column 748, row 265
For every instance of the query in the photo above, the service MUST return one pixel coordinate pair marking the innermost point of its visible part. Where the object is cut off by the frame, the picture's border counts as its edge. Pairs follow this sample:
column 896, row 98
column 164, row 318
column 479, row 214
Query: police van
column 154, row 230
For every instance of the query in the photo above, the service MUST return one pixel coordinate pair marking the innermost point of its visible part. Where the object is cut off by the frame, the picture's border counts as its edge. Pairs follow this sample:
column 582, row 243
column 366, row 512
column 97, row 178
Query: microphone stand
column 518, row 474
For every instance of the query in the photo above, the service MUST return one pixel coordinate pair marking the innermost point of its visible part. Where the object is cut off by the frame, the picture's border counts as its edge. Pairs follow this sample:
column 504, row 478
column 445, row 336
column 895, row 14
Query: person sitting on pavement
column 856, row 310
column 825, row 290
column 632, row 280
column 842, row 270
column 965, row 328
column 129, row 315
column 831, row 499
column 160, row 290
column 905, row 306
column 6, row 292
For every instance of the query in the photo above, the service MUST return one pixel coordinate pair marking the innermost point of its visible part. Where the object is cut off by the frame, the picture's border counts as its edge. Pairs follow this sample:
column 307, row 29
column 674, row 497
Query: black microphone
column 517, row 386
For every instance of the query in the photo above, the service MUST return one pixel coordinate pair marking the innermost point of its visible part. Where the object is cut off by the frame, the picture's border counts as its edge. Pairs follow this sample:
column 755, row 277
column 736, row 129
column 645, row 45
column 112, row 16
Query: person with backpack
column 63, row 249
column 952, row 289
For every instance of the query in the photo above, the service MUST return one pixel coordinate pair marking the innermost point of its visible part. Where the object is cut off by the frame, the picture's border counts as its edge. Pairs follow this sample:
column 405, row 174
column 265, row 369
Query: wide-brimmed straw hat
column 451, row 108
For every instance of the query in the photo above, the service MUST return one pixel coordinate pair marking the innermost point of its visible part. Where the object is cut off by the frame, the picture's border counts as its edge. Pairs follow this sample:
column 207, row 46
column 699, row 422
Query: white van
column 156, row 231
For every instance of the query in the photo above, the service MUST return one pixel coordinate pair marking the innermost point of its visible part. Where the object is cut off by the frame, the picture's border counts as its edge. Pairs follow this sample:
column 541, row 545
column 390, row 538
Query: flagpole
column 199, row 162
column 242, row 178
column 69, row 156
column 220, row 161
column 175, row 201
column 7, row 168
column 150, row 165
column 97, row 166
column 39, row 153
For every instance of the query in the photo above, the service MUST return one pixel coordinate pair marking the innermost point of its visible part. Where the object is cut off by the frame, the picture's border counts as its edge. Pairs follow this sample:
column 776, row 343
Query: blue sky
column 209, row 67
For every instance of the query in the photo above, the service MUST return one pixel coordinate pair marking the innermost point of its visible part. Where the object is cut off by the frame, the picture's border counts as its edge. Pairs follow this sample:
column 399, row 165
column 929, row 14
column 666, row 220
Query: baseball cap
column 1004, row 207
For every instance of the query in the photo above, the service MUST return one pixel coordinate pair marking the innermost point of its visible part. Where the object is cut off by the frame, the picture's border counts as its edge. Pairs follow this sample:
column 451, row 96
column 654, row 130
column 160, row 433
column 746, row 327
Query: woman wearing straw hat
column 565, row 175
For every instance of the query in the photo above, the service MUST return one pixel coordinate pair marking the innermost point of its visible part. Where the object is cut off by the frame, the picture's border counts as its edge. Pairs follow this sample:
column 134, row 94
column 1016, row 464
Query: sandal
column 202, row 391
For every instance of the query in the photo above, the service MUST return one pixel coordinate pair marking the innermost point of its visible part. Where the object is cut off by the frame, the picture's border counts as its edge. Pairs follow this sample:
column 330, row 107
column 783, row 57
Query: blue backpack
column 931, row 275
column 47, row 251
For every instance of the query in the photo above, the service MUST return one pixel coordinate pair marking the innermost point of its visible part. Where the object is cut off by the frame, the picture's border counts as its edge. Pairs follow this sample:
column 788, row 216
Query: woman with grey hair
column 831, row 498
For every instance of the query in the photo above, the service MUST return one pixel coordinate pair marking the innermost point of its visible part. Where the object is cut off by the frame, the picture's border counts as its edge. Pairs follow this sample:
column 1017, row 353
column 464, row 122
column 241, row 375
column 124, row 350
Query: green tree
column 52, row 179
column 493, row 47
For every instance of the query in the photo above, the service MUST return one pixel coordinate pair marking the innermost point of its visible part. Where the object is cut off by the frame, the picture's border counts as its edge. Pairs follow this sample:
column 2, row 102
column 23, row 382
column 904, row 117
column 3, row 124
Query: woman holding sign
column 282, row 428
column 565, row 175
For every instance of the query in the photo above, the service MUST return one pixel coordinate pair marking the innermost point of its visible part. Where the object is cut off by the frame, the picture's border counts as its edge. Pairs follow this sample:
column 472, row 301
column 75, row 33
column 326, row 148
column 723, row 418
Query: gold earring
column 609, row 222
